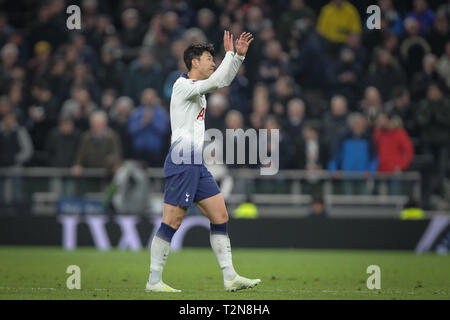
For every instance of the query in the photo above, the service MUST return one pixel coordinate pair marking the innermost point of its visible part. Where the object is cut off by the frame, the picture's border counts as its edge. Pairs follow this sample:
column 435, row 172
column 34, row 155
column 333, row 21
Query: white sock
column 220, row 243
column 158, row 256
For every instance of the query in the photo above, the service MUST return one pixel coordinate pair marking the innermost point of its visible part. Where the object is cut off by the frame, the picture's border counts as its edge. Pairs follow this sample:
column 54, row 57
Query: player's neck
column 195, row 75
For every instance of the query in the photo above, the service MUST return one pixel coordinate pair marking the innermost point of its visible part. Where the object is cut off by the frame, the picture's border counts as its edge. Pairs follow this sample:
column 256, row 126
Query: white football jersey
column 188, row 106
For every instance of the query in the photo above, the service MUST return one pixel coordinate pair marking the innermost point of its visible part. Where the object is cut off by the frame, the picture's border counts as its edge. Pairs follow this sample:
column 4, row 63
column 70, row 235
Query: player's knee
column 224, row 217
column 176, row 222
column 173, row 218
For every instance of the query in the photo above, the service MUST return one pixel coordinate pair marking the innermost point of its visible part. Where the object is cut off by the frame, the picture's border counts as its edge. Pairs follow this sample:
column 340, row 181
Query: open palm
column 243, row 42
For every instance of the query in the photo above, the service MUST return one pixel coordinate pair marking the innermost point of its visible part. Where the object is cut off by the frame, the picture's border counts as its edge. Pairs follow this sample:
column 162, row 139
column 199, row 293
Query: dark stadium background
column 55, row 73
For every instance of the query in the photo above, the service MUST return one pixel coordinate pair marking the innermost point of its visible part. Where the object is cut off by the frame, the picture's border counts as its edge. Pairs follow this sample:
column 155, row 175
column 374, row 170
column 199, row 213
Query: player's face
column 206, row 65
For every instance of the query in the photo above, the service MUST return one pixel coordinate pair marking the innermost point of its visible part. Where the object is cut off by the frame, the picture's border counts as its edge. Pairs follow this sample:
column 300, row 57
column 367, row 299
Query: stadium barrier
column 288, row 194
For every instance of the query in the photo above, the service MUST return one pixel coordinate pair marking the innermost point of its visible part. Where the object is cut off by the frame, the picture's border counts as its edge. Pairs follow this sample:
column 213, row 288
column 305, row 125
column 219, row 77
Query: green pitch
column 40, row 273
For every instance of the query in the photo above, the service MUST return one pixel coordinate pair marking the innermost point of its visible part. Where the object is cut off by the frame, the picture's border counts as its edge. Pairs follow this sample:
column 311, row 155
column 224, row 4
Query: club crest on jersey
column 201, row 114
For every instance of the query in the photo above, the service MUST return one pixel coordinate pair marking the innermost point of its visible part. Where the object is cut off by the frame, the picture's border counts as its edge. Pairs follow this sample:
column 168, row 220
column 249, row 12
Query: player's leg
column 177, row 197
column 160, row 248
column 213, row 207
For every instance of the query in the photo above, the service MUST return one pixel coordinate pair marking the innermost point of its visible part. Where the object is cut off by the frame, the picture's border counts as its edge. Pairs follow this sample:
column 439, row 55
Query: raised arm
column 227, row 70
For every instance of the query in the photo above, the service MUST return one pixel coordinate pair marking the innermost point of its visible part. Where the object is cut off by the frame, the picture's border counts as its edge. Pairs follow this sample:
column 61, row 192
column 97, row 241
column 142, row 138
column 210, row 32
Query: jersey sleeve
column 222, row 77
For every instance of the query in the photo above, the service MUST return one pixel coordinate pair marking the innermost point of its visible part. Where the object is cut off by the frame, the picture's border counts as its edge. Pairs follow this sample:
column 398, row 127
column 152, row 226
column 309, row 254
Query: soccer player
column 189, row 181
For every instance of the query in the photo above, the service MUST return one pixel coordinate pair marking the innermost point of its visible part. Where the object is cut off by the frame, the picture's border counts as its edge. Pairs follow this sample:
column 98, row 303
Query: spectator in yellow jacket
column 337, row 20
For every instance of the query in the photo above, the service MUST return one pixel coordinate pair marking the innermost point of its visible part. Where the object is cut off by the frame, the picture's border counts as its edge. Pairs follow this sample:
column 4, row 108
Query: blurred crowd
column 344, row 97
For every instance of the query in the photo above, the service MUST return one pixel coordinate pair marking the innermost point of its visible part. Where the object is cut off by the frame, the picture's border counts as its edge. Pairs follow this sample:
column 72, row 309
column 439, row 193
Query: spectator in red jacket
column 394, row 146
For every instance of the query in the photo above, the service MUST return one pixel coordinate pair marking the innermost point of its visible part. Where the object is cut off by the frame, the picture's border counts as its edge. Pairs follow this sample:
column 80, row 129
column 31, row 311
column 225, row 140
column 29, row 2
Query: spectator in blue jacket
column 356, row 153
column 423, row 15
column 148, row 127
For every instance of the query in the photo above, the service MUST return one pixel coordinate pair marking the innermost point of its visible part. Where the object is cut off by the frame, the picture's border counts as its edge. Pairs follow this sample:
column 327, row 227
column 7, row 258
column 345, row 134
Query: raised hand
column 228, row 41
column 243, row 42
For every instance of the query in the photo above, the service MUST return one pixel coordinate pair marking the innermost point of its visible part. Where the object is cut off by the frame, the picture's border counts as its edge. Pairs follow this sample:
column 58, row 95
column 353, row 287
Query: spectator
column 275, row 63
column 385, row 73
column 96, row 144
column 16, row 96
column 83, row 77
column 234, row 120
column 354, row 43
column 5, row 28
column 171, row 78
column 335, row 122
column 102, row 27
column 58, row 79
column 173, row 61
column 111, row 70
column 337, row 20
column 62, row 143
column 311, row 150
column 443, row 65
column 171, row 26
column 439, row 34
column 422, row 80
column 391, row 44
column 47, row 27
column 394, row 146
column 79, row 107
column 298, row 13
column 260, row 106
column 120, row 115
column 254, row 20
column 16, row 147
column 108, row 100
column 318, row 210
column 143, row 73
column 284, row 146
column 356, row 153
column 42, row 114
column 347, row 74
column 413, row 47
column 9, row 56
column 371, row 105
column 39, row 65
column 282, row 91
column 445, row 7
column 239, row 91
column 148, row 127
column 7, row 107
column 295, row 118
column 206, row 20
column 158, row 37
column 217, row 106
column 310, row 65
column 400, row 105
column 132, row 33
column 394, row 20
column 85, row 54
column 433, row 119
column 423, row 15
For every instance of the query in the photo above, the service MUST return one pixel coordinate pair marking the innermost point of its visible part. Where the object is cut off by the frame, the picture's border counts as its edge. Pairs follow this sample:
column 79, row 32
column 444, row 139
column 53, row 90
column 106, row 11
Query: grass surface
column 40, row 273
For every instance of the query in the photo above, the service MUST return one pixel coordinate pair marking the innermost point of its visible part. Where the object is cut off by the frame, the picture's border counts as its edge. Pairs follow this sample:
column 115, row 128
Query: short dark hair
column 195, row 51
